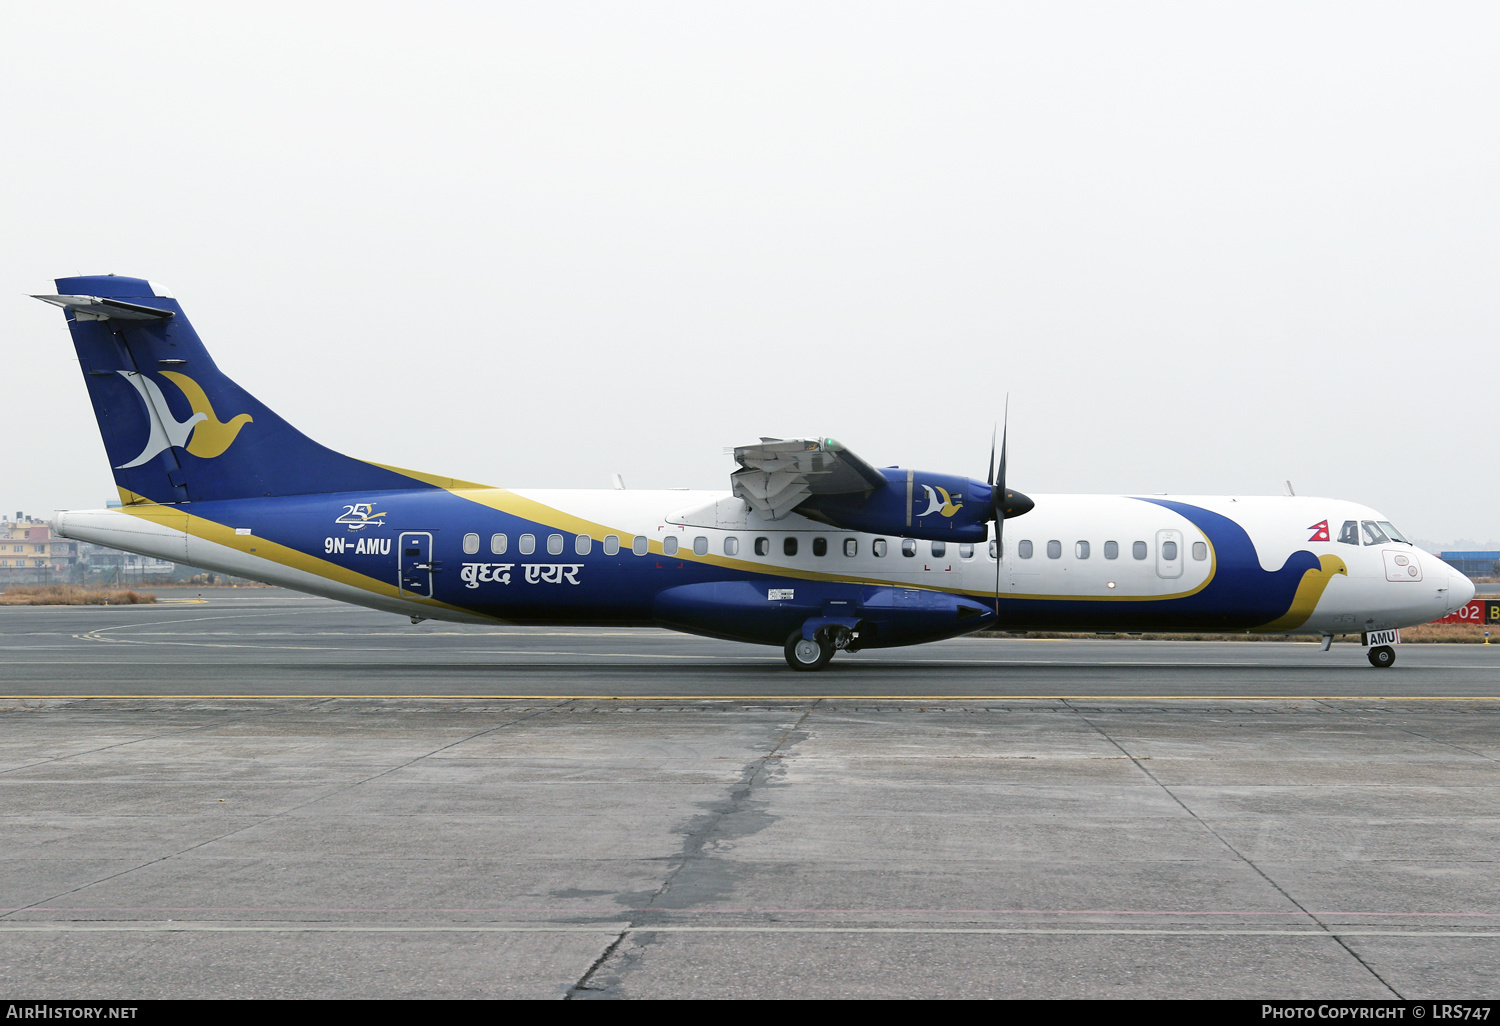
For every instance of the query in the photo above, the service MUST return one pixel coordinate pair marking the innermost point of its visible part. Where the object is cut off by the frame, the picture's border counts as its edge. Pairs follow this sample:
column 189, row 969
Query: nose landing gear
column 1382, row 656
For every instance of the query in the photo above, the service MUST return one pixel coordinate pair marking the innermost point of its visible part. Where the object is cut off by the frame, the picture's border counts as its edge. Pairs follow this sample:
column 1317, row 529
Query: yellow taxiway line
column 795, row 698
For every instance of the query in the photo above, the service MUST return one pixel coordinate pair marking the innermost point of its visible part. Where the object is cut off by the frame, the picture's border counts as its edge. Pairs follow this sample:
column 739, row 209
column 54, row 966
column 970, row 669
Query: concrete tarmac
column 289, row 797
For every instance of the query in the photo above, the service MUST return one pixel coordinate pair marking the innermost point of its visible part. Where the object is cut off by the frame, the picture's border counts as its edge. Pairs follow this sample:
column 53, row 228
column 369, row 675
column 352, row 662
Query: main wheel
column 1382, row 656
column 802, row 654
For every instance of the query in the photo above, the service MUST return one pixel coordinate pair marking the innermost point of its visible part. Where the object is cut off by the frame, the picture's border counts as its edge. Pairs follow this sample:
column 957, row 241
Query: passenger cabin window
column 471, row 544
column 1138, row 550
column 669, row 545
column 994, row 549
column 1024, row 548
column 939, row 549
column 640, row 545
column 908, row 547
column 611, row 544
column 820, row 546
column 583, row 545
column 1111, row 550
column 1349, row 533
column 1373, row 534
column 554, row 545
column 851, row 546
column 497, row 544
column 789, row 545
column 1390, row 529
column 878, row 547
column 700, row 546
column 527, row 544
column 1200, row 551
column 1169, row 550
column 731, row 546
column 1054, row 549
column 965, row 550
column 1081, row 549
column 762, row 546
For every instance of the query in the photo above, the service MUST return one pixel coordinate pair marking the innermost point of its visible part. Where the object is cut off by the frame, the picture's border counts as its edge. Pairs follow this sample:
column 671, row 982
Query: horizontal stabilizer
column 97, row 308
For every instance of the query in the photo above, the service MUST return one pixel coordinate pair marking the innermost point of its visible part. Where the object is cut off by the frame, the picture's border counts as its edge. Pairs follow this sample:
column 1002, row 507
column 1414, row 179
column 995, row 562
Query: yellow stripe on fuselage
column 260, row 547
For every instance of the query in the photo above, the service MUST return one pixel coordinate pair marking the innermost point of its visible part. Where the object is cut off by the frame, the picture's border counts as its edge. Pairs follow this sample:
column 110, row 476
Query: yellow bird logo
column 212, row 436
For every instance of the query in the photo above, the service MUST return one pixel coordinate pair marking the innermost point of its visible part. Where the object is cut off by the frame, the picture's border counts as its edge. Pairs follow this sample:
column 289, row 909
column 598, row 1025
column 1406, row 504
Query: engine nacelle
column 911, row 504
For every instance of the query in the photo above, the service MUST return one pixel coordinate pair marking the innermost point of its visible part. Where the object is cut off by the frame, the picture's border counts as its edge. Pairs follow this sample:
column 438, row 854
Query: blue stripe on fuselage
column 625, row 588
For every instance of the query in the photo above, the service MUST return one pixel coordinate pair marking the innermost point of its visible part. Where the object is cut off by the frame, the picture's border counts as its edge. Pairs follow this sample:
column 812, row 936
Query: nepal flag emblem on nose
column 1319, row 530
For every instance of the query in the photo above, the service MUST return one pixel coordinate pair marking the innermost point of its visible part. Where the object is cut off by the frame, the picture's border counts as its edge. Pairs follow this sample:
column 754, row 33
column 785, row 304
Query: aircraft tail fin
column 175, row 427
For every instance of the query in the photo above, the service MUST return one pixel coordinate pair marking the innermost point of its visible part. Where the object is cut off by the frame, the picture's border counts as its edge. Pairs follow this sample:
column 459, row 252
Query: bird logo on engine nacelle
column 943, row 507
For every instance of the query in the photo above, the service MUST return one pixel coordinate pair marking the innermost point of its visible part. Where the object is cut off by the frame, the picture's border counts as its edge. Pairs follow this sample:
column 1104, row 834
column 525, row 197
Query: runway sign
column 1480, row 611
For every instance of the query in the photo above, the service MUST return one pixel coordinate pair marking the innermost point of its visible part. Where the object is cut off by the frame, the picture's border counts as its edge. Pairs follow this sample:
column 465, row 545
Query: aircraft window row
column 583, row 545
column 1083, row 550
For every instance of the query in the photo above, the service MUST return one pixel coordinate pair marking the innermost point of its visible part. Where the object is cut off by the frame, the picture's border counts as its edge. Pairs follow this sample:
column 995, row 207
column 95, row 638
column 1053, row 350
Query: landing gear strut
column 1382, row 656
column 802, row 654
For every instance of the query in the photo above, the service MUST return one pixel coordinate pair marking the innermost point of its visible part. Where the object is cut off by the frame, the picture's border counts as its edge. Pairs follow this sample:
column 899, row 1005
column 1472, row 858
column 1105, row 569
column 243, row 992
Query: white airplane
column 811, row 548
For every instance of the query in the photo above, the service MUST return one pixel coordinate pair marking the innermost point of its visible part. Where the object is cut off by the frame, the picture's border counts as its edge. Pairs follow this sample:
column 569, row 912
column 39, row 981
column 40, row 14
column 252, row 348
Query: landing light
column 1111, row 584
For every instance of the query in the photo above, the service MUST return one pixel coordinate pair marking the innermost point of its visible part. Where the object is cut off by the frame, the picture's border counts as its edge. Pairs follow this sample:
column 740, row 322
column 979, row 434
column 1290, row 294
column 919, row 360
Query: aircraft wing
column 780, row 473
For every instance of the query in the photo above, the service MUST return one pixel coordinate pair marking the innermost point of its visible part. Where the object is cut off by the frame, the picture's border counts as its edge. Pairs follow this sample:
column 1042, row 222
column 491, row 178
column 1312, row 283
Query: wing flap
column 778, row 474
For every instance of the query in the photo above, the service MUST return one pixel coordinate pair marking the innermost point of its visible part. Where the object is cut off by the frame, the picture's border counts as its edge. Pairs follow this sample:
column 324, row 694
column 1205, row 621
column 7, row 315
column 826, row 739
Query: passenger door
column 414, row 565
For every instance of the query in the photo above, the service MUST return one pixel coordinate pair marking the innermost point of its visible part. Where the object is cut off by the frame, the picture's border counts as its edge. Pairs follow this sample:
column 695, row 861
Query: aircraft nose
column 1460, row 588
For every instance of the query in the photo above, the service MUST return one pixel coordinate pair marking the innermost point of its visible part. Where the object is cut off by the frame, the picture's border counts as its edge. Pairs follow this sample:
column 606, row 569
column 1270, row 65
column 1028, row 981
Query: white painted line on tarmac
column 170, row 927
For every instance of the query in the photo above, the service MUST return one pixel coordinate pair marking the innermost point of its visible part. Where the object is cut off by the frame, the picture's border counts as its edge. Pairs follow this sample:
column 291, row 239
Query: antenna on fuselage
column 1289, row 489
column 619, row 483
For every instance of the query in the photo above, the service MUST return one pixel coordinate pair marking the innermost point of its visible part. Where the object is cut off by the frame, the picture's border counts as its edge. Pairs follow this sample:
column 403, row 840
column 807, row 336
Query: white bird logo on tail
column 165, row 430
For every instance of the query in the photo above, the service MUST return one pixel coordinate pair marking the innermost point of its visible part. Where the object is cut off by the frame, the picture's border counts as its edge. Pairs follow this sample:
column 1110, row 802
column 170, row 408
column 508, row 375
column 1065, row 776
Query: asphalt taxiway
column 273, row 642
column 281, row 796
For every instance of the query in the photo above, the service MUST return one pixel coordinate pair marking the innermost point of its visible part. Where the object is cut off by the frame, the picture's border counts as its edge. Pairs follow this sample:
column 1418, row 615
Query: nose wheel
column 1382, row 656
column 803, row 654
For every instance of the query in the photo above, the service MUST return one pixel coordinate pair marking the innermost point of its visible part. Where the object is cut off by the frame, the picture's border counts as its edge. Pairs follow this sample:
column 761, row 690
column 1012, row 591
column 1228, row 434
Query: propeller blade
column 997, row 499
column 1000, row 477
column 999, row 554
column 989, row 475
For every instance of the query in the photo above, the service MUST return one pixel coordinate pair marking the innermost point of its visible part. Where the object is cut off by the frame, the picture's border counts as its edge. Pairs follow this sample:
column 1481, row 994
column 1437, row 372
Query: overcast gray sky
column 1205, row 247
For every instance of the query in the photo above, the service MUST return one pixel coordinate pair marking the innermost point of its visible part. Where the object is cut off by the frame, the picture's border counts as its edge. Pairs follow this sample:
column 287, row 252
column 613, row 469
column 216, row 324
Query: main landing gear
column 1382, row 656
column 814, row 653
column 802, row 654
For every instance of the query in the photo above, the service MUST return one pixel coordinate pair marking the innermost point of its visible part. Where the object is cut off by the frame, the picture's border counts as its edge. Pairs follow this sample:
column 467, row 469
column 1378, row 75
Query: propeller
column 1004, row 503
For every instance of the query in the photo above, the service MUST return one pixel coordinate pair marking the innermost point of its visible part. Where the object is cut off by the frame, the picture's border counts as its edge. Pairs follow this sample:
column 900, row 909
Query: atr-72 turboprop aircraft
column 812, row 549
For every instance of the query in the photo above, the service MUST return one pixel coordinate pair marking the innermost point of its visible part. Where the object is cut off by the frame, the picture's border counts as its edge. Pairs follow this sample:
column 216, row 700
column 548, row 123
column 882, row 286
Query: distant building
column 111, row 566
column 1474, row 564
column 29, row 549
column 31, row 552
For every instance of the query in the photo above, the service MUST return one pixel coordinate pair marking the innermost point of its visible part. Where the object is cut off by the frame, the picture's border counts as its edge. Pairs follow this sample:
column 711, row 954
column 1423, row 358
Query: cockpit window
column 1390, row 529
column 1350, row 534
column 1373, row 534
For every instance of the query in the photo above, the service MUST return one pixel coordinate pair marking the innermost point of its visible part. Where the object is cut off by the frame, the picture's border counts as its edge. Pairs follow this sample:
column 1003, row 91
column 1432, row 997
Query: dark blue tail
column 175, row 428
